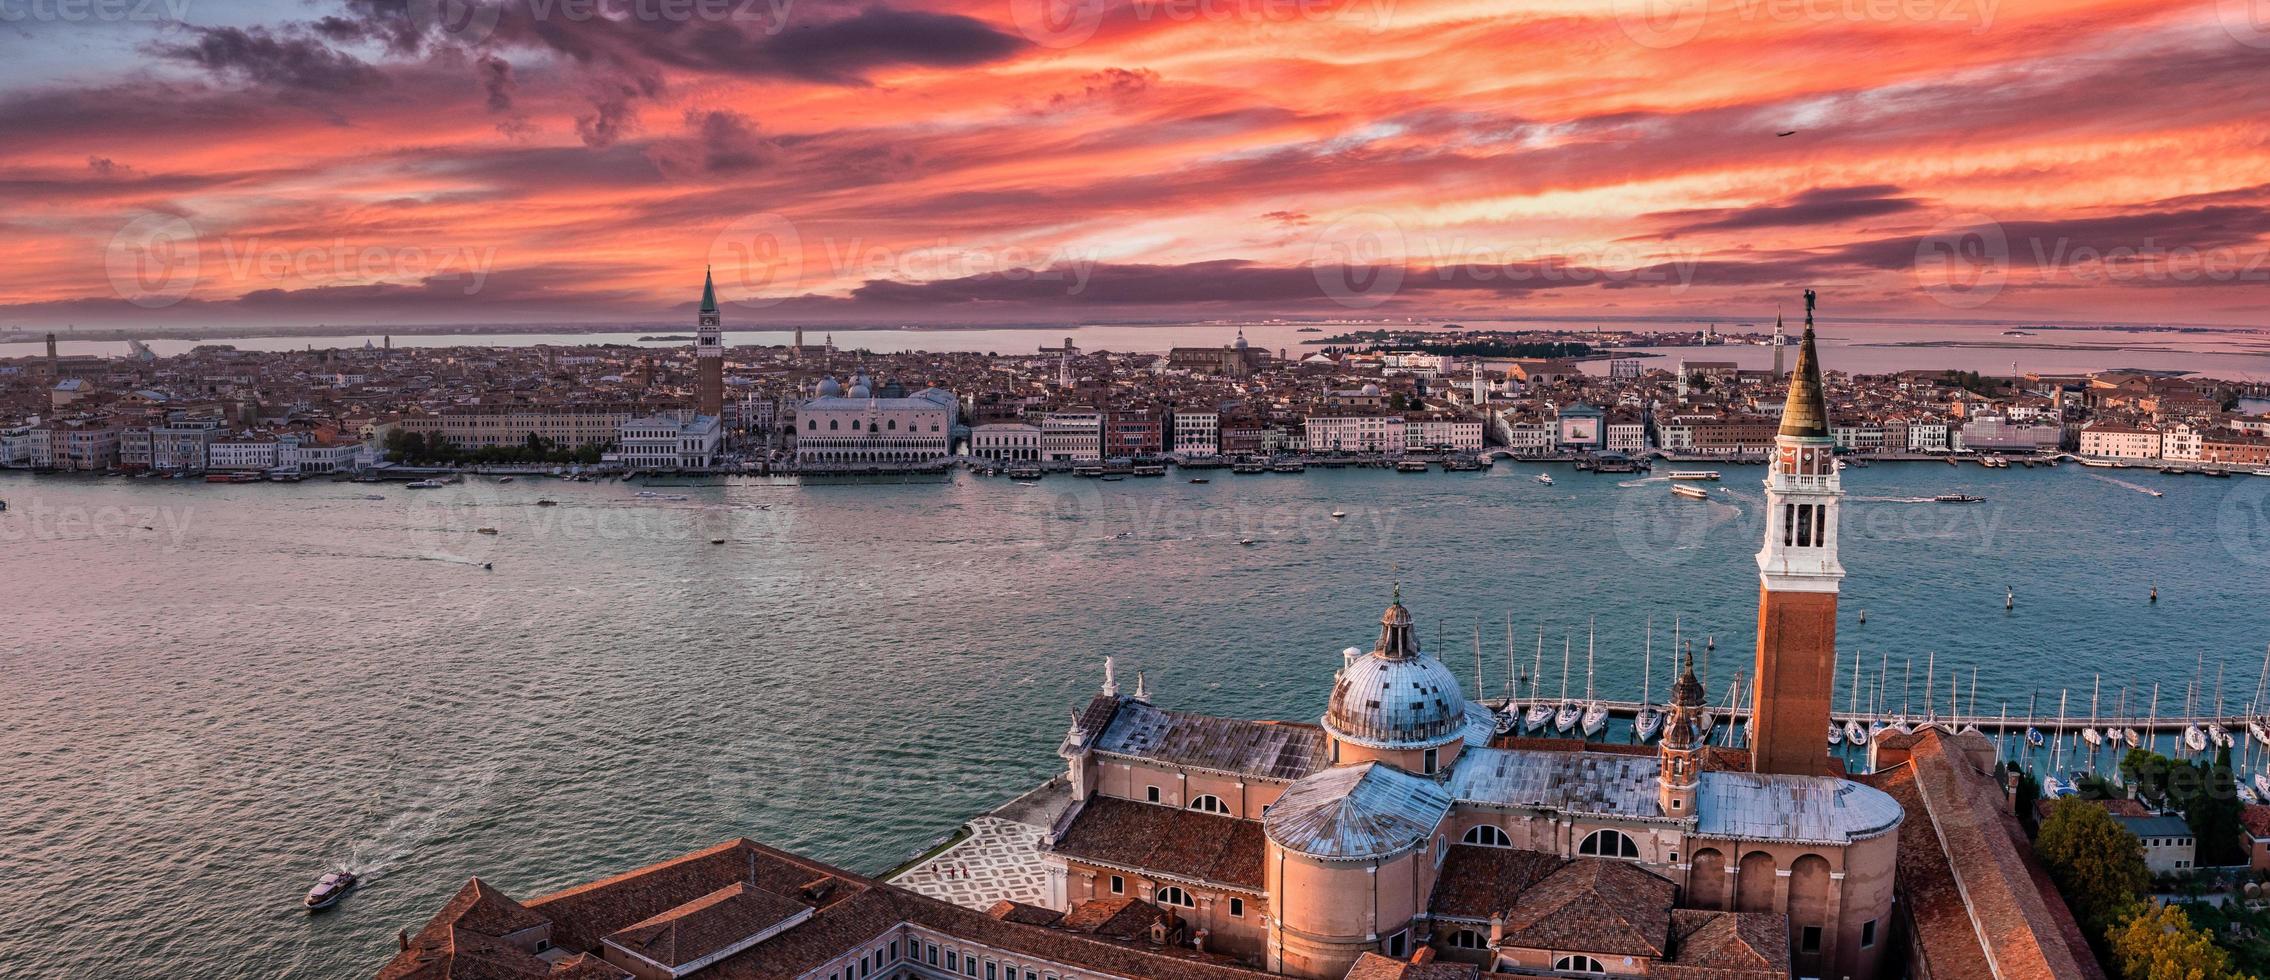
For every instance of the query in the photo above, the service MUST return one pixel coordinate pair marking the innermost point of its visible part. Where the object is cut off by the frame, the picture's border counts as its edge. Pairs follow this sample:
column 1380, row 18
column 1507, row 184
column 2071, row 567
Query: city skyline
column 367, row 162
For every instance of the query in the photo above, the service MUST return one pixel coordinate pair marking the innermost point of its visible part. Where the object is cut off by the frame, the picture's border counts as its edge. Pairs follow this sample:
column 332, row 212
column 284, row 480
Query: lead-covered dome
column 1396, row 697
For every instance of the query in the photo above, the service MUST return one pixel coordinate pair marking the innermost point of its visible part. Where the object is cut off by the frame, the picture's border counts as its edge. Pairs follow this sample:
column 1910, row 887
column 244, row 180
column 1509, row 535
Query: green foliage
column 2097, row 864
column 1967, row 380
column 418, row 449
column 2242, row 932
column 2214, row 814
column 2028, row 793
column 2160, row 943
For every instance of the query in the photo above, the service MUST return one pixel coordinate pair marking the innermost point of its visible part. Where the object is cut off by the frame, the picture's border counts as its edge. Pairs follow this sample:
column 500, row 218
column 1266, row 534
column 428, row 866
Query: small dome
column 1371, row 389
column 1240, row 345
column 859, row 391
column 830, row 389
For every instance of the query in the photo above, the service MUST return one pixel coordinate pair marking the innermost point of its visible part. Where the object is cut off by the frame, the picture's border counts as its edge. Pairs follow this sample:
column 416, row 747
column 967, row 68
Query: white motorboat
column 1338, row 514
column 2129, row 735
column 1595, row 718
column 1567, row 717
column 1545, row 478
column 329, row 889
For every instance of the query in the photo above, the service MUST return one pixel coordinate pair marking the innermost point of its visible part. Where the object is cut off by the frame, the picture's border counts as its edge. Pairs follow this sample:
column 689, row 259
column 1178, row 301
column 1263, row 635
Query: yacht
column 1855, row 734
column 2194, row 739
column 1595, row 718
column 2091, row 736
column 2129, row 736
column 329, row 889
column 1537, row 717
column 1567, row 717
column 1648, row 723
column 1545, row 478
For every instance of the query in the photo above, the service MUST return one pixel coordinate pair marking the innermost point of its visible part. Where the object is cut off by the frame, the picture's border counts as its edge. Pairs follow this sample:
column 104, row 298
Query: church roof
column 1263, row 749
column 1571, row 782
column 1357, row 812
column 1760, row 806
column 1169, row 840
column 708, row 293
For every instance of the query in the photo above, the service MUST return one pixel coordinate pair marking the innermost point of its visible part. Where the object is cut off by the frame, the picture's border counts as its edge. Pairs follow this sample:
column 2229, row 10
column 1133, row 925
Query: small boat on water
column 2129, row 736
column 2057, row 787
column 1648, row 723
column 2262, row 784
column 484, row 530
column 2218, row 735
column 329, row 889
column 1957, row 498
column 1338, row 514
column 1545, row 478
column 2194, row 739
column 2254, row 728
column 1566, row 718
column 2091, row 736
column 1505, row 721
column 1690, row 492
column 1411, row 466
column 2034, row 737
column 1195, row 479
column 547, row 503
column 504, row 479
column 1694, row 474
column 1537, row 717
column 1855, row 734
column 1836, row 735
column 1875, row 728
column 2247, row 796
column 367, row 496
column 424, row 485
column 1595, row 718
column 1248, row 542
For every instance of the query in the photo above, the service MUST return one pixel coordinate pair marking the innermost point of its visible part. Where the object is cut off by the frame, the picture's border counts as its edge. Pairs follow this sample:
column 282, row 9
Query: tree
column 2160, row 943
column 2213, row 813
column 2097, row 864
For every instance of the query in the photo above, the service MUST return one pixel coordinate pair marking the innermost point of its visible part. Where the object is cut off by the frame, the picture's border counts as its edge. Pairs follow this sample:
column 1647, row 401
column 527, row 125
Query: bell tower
column 1682, row 747
column 709, row 355
column 1798, row 578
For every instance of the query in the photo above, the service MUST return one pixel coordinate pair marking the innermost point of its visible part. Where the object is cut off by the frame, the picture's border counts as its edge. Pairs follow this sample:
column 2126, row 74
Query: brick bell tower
column 709, row 354
column 1798, row 575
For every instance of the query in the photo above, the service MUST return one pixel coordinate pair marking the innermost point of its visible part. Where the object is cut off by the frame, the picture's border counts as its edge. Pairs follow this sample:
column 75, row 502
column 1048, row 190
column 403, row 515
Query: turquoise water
column 200, row 716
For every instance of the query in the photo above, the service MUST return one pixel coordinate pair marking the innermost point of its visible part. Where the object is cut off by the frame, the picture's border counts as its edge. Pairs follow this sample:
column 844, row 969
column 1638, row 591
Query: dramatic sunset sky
column 200, row 162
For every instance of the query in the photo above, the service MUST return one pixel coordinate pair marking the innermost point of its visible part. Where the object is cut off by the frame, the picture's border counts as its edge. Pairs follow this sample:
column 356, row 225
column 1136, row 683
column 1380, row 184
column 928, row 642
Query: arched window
column 1211, row 804
column 1578, row 964
column 894, row 425
column 1486, row 835
column 1608, row 844
column 831, row 425
column 811, row 423
column 1171, row 895
column 1468, row 939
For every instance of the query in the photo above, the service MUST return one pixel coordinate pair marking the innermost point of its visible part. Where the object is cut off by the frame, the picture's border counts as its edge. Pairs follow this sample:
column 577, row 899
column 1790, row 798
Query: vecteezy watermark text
column 39, row 520
column 158, row 260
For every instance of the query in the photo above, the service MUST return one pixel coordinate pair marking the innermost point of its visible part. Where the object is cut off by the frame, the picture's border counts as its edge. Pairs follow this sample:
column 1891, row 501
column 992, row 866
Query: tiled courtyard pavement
column 999, row 860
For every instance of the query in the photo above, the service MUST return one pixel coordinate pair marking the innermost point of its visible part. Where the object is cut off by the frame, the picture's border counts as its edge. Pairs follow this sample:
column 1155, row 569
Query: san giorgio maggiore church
column 1397, row 836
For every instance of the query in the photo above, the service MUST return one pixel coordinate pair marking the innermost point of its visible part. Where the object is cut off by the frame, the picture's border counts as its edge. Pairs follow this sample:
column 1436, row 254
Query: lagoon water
column 210, row 693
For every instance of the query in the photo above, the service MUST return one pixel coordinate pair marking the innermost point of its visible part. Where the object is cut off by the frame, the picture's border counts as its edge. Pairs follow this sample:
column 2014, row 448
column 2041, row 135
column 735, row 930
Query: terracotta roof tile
column 1173, row 841
column 1595, row 905
column 1477, row 882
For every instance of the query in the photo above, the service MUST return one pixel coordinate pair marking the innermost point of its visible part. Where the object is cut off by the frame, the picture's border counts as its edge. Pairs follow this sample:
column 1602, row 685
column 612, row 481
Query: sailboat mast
column 1647, row 663
column 1477, row 658
column 1588, row 661
column 1567, row 650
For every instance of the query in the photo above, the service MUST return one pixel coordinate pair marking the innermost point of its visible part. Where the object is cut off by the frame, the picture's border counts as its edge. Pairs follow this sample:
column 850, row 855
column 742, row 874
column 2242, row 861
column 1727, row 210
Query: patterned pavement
column 1000, row 860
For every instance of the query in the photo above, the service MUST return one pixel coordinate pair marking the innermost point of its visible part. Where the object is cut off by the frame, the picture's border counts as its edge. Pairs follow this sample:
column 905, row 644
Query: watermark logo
column 1359, row 261
column 464, row 21
column 2246, row 21
column 1057, row 24
column 1964, row 261
column 153, row 260
column 759, row 259
column 2242, row 520
column 93, row 11
column 446, row 524
column 1661, row 24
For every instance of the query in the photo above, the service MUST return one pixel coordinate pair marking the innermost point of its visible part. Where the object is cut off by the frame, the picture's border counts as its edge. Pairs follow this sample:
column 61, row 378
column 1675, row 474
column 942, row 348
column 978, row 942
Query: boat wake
column 454, row 799
column 1643, row 481
column 2139, row 488
column 1891, row 500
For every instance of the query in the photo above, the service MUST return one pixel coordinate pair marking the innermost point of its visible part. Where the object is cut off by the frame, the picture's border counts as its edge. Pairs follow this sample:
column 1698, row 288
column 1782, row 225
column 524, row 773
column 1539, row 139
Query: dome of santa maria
column 1396, row 696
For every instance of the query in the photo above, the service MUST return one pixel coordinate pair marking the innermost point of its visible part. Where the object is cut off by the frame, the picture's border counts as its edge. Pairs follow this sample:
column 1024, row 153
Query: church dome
column 830, row 389
column 1240, row 345
column 1396, row 696
column 1371, row 389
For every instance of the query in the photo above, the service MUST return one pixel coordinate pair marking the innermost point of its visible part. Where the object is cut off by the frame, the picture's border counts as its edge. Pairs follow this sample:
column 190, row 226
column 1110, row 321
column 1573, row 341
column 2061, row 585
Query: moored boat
column 1537, row 717
column 1855, row 734
column 1648, row 723
column 2254, row 728
column 2262, row 784
column 2194, row 739
column 2090, row 736
column 2034, row 737
column 2129, row 735
column 1567, row 717
column 1595, row 718
column 1836, row 735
